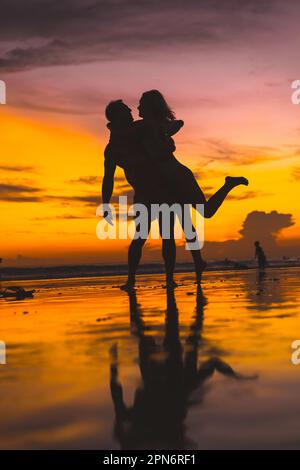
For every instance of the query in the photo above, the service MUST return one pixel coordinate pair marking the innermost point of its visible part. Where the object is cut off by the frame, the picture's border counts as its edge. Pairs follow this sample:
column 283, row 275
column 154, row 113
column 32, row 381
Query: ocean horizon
column 99, row 270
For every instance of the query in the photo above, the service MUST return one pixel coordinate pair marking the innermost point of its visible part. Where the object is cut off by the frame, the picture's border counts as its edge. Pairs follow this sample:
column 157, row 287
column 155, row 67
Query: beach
column 91, row 367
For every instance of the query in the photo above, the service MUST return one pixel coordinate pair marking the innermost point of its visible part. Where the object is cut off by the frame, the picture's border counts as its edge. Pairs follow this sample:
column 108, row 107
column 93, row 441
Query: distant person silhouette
column 260, row 256
column 170, row 377
column 145, row 150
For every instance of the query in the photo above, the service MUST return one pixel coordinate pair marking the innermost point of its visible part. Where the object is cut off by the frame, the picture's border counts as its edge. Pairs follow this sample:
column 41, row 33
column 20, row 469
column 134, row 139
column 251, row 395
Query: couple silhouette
column 144, row 149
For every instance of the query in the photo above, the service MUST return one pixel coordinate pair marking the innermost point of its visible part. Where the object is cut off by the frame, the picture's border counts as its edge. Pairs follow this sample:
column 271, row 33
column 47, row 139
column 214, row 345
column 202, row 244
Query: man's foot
column 200, row 272
column 128, row 286
column 201, row 299
column 171, row 284
column 233, row 181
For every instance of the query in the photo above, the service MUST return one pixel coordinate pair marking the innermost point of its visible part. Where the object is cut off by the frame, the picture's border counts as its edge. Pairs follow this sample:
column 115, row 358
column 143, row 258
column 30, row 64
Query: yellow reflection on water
column 90, row 366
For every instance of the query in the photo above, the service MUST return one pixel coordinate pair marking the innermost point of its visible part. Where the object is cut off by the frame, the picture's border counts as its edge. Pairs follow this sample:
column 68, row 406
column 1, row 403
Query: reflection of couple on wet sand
column 172, row 380
column 145, row 150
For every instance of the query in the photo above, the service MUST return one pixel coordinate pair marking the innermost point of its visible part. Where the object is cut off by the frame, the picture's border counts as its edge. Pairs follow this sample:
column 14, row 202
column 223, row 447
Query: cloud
column 246, row 195
column 22, row 58
column 89, row 180
column 258, row 225
column 64, row 217
column 63, row 101
column 208, row 173
column 93, row 179
column 25, row 193
column 266, row 226
column 92, row 200
column 70, row 32
column 296, row 173
column 28, row 193
column 222, row 150
column 89, row 200
column 16, row 168
column 18, row 193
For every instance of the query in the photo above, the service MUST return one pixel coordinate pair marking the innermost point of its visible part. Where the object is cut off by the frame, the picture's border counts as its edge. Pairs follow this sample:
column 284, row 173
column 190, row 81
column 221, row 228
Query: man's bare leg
column 169, row 256
column 134, row 256
column 169, row 251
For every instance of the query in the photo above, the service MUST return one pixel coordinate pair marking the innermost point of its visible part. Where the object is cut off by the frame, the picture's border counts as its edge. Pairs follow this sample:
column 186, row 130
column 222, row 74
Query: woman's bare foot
column 233, row 181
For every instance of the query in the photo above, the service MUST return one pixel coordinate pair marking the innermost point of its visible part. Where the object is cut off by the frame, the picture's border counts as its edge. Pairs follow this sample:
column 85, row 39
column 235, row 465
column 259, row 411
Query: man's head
column 117, row 112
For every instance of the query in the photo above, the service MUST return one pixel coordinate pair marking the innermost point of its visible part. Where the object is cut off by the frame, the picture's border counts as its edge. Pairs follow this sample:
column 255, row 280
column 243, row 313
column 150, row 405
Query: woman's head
column 154, row 106
column 117, row 112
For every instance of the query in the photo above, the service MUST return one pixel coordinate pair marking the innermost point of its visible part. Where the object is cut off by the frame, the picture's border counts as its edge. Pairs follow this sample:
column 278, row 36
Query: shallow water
column 89, row 366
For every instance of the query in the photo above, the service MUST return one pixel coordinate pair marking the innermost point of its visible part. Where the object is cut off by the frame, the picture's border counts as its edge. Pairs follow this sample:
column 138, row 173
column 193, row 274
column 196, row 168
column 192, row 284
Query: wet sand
column 91, row 367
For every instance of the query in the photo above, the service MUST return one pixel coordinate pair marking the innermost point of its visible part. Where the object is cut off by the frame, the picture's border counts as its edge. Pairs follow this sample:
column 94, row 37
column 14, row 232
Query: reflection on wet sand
column 170, row 374
column 174, row 366
column 268, row 294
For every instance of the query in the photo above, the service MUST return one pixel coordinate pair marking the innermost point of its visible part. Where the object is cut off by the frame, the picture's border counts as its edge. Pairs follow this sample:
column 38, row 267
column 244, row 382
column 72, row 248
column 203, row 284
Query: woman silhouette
column 156, row 127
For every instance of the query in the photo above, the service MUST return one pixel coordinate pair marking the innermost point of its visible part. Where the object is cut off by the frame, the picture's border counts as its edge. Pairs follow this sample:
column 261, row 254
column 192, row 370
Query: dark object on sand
column 240, row 266
column 16, row 292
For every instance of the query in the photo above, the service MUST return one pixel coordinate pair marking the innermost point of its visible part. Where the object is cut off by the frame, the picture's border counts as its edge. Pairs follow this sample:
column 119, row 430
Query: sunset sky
column 225, row 67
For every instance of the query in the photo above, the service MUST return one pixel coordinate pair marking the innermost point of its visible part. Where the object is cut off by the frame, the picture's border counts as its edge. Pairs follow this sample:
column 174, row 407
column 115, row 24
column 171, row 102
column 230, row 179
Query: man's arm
column 108, row 181
column 108, row 185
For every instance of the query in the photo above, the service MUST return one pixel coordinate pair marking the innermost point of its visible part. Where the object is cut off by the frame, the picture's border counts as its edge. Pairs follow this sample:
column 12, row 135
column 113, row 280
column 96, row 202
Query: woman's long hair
column 156, row 106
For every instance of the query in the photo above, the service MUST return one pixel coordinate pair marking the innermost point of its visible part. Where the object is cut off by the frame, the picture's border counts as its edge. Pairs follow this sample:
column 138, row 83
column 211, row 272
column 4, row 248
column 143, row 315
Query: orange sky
column 43, row 221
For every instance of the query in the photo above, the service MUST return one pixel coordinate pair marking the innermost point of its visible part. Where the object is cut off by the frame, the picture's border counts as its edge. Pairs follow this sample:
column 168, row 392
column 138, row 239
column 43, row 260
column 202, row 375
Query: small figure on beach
column 260, row 256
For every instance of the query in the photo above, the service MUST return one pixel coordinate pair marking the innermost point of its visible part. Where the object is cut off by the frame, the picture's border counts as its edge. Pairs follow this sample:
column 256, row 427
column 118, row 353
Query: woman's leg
column 214, row 202
column 193, row 194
